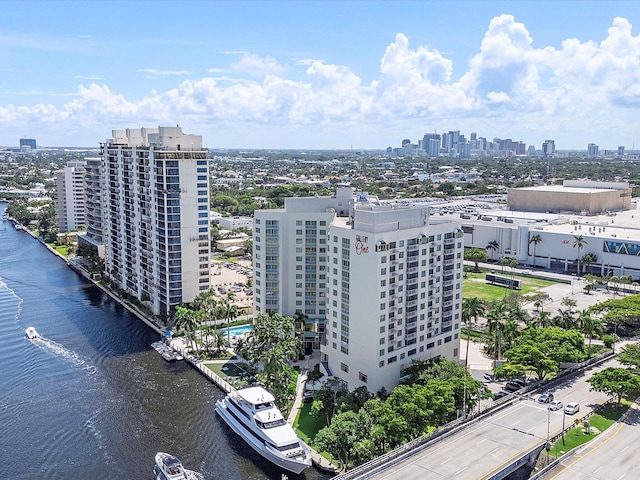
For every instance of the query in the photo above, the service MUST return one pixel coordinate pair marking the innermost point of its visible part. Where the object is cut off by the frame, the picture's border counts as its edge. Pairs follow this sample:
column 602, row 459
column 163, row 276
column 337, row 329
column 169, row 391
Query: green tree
column 565, row 319
column 325, row 403
column 539, row 299
column 529, row 357
column 535, row 239
column 629, row 355
column 228, row 311
column 495, row 321
column 342, row 437
column 543, row 320
column 589, row 325
column 615, row 382
column 493, row 246
column 476, row 255
column 579, row 242
column 625, row 311
column 188, row 321
column 272, row 343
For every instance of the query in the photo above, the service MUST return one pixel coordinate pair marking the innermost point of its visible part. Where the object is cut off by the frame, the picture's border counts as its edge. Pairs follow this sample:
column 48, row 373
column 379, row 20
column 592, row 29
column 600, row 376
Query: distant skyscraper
column 431, row 144
column 548, row 147
column 592, row 150
column 620, row 151
column 155, row 215
column 70, row 196
column 27, row 144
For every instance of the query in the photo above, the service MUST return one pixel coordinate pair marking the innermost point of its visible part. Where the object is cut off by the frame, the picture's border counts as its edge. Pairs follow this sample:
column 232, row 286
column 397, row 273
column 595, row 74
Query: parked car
column 515, row 384
column 545, row 398
column 502, row 393
column 571, row 408
column 555, row 405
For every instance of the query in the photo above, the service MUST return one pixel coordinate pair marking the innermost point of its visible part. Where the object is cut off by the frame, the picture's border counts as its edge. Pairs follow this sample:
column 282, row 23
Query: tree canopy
column 615, row 382
column 541, row 350
column 476, row 255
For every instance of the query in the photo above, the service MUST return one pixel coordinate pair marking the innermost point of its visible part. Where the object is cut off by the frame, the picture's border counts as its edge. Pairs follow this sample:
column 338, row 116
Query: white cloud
column 162, row 73
column 257, row 66
column 537, row 92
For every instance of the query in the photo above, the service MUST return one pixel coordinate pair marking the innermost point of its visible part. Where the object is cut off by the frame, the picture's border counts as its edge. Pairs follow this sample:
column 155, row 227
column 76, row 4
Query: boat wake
column 16, row 297
column 54, row 347
column 191, row 475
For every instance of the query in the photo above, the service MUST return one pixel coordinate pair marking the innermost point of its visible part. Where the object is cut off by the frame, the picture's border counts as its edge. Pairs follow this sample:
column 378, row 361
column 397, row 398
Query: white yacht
column 31, row 333
column 252, row 414
column 168, row 467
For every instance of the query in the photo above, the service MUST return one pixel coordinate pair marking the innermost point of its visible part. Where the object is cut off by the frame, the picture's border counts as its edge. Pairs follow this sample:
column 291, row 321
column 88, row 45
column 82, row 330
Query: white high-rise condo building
column 384, row 279
column 70, row 195
column 155, row 215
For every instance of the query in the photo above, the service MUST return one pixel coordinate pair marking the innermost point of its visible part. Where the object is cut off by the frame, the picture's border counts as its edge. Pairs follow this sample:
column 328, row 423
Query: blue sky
column 321, row 75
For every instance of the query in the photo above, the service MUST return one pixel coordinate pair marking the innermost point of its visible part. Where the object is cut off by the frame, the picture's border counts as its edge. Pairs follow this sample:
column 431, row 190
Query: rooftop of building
column 565, row 189
column 622, row 225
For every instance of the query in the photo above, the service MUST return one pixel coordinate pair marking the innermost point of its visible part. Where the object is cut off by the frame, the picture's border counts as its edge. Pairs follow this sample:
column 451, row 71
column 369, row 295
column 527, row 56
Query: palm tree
column 589, row 259
column 509, row 332
column 589, row 325
column 188, row 320
column 300, row 322
column 493, row 246
column 495, row 321
column 565, row 319
column 579, row 242
column 543, row 320
column 472, row 308
column 535, row 239
column 229, row 312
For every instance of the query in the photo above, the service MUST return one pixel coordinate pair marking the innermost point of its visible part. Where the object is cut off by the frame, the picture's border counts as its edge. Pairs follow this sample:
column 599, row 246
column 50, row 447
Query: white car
column 571, row 408
column 555, row 405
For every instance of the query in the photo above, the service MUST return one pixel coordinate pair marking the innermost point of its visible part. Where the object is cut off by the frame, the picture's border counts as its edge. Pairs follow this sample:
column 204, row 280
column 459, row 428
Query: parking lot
column 232, row 277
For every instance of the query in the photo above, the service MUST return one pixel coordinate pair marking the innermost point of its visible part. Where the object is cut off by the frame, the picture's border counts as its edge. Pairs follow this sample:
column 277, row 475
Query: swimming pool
column 235, row 331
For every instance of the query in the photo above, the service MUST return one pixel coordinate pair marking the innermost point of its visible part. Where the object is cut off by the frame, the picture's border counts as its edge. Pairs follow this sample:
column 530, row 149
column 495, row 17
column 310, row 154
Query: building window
column 392, row 359
column 344, row 367
column 381, row 364
column 362, row 377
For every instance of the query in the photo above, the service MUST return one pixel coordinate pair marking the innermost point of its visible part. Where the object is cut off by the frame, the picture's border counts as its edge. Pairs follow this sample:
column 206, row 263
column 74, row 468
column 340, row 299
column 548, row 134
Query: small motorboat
column 168, row 467
column 31, row 333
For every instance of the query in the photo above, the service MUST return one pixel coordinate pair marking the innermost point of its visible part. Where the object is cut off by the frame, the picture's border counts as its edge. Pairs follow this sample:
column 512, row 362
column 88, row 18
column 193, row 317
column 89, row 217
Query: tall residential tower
column 155, row 215
column 70, row 196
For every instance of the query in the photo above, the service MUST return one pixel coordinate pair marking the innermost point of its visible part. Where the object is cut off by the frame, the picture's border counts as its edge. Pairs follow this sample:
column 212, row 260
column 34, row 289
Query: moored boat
column 252, row 414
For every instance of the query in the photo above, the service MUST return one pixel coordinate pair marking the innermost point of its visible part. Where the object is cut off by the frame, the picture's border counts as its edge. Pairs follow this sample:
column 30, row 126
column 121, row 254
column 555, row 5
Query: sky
column 321, row 74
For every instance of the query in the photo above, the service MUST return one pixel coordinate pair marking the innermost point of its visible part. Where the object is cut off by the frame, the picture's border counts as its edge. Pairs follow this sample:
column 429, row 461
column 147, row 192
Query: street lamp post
column 547, row 446
column 563, row 417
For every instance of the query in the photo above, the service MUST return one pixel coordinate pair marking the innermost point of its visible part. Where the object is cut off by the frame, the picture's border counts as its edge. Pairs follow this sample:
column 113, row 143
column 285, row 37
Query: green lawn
column 599, row 422
column 306, row 424
column 474, row 285
column 61, row 249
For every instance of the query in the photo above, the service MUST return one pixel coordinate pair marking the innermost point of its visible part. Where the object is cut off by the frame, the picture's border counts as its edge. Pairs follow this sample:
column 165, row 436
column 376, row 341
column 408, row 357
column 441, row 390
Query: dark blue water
column 90, row 399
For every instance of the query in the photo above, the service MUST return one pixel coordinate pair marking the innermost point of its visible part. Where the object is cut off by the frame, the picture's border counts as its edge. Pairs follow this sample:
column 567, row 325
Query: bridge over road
column 485, row 448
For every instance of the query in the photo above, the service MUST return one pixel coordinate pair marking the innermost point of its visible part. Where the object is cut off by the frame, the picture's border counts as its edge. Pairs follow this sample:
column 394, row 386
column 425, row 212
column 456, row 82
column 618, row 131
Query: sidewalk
column 305, row 366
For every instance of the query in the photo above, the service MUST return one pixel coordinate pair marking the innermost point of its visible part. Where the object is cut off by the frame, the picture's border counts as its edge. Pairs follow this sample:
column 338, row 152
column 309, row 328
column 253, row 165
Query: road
column 613, row 455
column 488, row 446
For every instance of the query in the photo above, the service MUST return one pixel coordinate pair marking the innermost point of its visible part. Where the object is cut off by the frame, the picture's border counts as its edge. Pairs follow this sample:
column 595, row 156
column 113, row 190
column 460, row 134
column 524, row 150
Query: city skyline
column 321, row 75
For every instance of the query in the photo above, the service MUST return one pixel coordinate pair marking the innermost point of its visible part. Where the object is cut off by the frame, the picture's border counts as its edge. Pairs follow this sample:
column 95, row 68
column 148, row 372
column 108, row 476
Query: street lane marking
column 460, row 471
column 450, row 458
